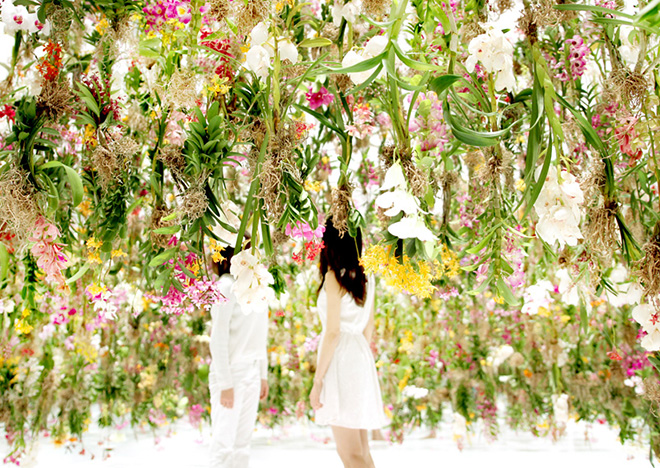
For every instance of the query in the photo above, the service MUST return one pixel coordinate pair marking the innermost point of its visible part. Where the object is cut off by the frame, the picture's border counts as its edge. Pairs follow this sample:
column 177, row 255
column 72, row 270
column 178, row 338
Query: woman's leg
column 350, row 447
column 364, row 437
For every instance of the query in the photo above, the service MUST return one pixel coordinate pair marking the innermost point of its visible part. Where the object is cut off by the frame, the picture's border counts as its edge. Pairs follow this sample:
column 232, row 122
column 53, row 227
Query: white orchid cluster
column 18, row 18
column 264, row 46
column 396, row 199
column 495, row 52
column 560, row 410
column 252, row 286
column 374, row 47
column 648, row 316
column 348, row 11
column 559, row 209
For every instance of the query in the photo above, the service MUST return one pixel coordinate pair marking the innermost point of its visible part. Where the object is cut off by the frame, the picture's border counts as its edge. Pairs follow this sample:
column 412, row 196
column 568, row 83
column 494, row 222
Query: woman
column 346, row 394
column 238, row 375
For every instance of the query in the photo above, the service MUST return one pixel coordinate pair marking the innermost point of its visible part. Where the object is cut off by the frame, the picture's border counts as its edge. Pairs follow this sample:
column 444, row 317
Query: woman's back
column 353, row 317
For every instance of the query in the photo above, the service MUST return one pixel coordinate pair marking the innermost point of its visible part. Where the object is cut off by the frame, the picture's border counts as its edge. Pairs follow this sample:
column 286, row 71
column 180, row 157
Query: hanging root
column 340, row 209
column 601, row 229
column 194, row 203
column 648, row 269
column 18, row 204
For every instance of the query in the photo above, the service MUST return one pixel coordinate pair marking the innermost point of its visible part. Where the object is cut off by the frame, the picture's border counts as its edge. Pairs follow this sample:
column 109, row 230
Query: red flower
column 614, row 355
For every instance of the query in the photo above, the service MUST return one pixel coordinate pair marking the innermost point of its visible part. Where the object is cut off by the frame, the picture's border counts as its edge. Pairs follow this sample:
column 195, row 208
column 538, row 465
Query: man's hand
column 227, row 398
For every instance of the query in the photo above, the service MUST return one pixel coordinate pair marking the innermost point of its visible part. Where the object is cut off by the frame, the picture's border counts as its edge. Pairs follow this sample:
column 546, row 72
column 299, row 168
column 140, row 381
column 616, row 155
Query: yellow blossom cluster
column 21, row 326
column 282, row 3
column 216, row 251
column 219, row 86
column 406, row 342
column 102, row 26
column 93, row 246
column 404, row 275
column 313, row 186
column 89, row 138
column 86, row 349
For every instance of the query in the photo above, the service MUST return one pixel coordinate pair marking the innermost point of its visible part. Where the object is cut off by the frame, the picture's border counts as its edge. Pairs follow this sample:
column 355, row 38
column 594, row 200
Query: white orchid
column 495, row 52
column 560, row 409
column 18, row 18
column 252, row 286
column 559, row 208
column 348, row 11
column 649, row 318
column 411, row 227
column 263, row 48
column 374, row 47
column 536, row 297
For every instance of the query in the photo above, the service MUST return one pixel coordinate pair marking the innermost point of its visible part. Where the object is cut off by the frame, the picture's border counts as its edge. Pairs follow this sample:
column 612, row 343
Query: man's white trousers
column 232, row 428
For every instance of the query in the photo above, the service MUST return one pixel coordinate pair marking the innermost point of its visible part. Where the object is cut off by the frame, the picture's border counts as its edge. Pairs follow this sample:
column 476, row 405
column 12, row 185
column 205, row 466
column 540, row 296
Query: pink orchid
column 321, row 98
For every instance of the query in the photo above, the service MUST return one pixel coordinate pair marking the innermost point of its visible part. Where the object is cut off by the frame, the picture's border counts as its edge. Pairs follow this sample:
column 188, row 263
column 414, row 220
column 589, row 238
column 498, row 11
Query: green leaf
column 414, row 64
column 167, row 230
column 163, row 257
column 360, row 67
column 4, row 262
column 442, row 83
column 316, row 42
column 505, row 292
column 79, row 274
column 77, row 190
column 469, row 136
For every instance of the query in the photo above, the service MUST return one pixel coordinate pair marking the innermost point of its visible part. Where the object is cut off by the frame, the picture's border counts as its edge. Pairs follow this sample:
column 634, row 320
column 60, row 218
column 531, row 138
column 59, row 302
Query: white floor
column 181, row 445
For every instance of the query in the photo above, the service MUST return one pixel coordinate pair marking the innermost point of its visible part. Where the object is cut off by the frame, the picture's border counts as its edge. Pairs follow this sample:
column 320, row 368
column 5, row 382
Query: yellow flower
column 313, row 186
column 89, row 137
column 216, row 250
column 220, row 85
column 281, row 4
column 102, row 26
column 520, row 185
column 93, row 243
column 94, row 257
column 22, row 327
column 404, row 381
column 86, row 208
column 118, row 253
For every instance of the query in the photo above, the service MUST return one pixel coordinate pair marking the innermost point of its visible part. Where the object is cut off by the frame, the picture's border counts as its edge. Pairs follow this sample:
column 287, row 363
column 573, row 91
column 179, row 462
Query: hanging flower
column 411, row 227
column 48, row 253
column 495, row 53
column 348, row 11
column 649, row 318
column 253, row 280
column 374, row 47
column 558, row 207
column 259, row 56
column 17, row 18
column 321, row 98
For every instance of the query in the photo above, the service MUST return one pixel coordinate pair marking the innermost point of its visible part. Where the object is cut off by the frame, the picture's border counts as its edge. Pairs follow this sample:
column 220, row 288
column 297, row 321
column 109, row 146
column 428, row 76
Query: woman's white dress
column 351, row 393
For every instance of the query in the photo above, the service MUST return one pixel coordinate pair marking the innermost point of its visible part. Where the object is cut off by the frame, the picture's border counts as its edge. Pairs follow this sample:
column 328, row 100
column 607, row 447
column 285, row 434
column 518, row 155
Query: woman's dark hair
column 342, row 256
column 222, row 267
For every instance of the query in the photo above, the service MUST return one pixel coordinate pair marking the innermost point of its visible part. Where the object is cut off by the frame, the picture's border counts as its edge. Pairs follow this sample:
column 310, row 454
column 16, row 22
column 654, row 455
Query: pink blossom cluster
column 320, row 98
column 48, row 253
column 304, row 231
column 195, row 414
column 429, row 123
column 363, row 121
column 577, row 57
column 158, row 14
column 515, row 257
column 196, row 293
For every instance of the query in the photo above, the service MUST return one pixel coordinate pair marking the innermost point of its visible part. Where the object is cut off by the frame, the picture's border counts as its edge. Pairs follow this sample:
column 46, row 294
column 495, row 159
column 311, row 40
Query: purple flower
column 320, row 98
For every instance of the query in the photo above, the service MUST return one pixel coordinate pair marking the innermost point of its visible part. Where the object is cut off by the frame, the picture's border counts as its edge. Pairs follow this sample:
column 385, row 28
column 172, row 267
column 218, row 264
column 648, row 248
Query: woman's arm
column 369, row 329
column 330, row 336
